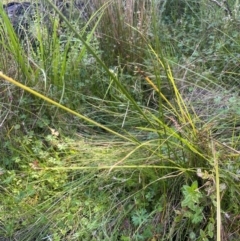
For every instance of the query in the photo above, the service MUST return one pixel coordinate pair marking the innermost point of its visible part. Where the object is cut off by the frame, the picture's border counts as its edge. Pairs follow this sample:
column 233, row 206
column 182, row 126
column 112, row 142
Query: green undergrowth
column 124, row 126
column 89, row 188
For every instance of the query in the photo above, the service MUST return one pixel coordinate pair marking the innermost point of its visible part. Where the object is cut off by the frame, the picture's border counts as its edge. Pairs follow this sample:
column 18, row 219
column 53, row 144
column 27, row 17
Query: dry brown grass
column 124, row 26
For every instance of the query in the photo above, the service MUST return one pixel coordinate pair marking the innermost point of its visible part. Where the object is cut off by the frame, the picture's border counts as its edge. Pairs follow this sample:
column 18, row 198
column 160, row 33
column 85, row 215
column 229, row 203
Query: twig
column 226, row 8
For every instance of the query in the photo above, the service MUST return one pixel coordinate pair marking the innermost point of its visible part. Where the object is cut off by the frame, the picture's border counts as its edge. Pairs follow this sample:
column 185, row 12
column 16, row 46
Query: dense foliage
column 123, row 123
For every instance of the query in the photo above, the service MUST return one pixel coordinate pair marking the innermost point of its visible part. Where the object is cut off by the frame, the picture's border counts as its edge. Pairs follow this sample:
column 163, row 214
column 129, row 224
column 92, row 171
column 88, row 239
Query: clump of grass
column 122, row 28
column 169, row 176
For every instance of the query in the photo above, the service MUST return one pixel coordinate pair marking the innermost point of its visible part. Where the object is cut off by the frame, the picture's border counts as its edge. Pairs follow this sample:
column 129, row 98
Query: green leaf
column 139, row 217
column 197, row 217
column 191, row 196
column 210, row 229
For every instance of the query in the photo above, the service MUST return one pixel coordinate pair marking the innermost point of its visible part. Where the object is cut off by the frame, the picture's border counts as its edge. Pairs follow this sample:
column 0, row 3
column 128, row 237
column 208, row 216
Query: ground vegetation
column 120, row 120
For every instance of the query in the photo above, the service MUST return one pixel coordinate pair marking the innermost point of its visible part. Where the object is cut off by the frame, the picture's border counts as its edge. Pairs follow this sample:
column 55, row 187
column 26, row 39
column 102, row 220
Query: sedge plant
column 162, row 179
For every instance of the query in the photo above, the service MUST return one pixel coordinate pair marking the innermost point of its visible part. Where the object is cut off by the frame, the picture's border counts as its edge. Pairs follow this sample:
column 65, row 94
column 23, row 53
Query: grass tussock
column 123, row 125
column 123, row 29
